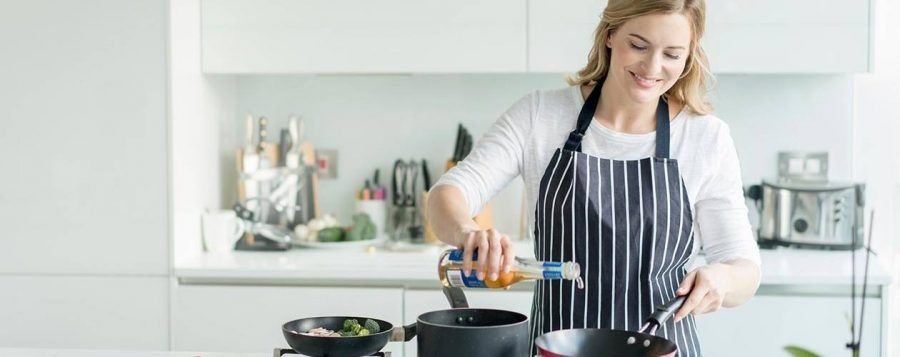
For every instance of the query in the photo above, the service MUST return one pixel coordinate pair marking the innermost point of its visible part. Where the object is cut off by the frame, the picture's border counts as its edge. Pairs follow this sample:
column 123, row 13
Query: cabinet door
column 280, row 36
column 417, row 302
column 84, row 312
column 83, row 98
column 561, row 33
column 249, row 318
column 765, row 324
column 798, row 36
column 742, row 36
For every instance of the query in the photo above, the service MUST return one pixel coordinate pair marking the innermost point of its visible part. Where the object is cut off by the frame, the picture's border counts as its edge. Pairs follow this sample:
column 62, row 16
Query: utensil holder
column 377, row 211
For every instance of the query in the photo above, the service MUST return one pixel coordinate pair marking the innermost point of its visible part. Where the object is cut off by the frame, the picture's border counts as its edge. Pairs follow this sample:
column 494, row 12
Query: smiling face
column 648, row 55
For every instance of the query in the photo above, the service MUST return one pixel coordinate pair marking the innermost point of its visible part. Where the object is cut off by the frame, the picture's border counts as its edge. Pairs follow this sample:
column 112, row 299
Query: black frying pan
column 608, row 342
column 354, row 346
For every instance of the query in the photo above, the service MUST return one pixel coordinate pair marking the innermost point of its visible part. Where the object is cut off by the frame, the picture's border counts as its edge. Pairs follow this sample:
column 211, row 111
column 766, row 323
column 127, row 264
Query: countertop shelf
column 418, row 269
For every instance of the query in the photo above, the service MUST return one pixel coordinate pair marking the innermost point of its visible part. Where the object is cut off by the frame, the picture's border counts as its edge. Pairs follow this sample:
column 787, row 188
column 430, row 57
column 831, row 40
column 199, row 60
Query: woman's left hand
column 708, row 286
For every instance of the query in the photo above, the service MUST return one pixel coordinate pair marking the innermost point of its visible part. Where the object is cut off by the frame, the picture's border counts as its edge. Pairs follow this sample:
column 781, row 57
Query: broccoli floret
column 347, row 333
column 349, row 323
column 363, row 332
column 372, row 326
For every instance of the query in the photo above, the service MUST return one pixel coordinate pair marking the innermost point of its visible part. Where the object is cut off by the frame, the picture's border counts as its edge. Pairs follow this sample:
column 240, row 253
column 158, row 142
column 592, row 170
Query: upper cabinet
column 433, row 36
column 742, row 36
column 797, row 36
column 363, row 36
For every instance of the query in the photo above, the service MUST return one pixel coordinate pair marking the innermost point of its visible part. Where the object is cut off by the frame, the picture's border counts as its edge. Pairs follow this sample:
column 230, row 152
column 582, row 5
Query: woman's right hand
column 496, row 253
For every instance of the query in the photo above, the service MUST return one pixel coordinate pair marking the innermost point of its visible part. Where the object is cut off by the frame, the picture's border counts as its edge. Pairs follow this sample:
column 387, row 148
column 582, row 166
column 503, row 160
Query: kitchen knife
column 292, row 158
column 467, row 147
column 249, row 156
column 309, row 159
column 284, row 145
column 426, row 177
column 459, row 136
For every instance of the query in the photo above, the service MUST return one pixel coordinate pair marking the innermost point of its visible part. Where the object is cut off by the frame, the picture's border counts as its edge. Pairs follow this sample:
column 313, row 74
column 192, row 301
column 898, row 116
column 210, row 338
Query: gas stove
column 287, row 352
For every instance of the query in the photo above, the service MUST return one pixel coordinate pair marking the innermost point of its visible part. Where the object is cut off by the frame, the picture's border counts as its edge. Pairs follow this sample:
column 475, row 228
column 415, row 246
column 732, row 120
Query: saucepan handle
column 403, row 333
column 456, row 297
column 663, row 313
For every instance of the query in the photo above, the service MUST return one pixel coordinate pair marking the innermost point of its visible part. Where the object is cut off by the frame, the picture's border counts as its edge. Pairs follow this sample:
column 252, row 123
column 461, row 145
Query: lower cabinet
column 249, row 318
column 765, row 324
column 84, row 312
column 421, row 301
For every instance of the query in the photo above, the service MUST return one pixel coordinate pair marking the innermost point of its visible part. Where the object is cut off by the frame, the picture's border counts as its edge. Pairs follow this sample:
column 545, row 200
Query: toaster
column 804, row 214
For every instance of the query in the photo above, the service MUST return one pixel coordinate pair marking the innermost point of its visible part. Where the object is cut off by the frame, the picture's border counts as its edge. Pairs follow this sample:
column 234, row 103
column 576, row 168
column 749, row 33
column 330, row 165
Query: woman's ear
column 609, row 40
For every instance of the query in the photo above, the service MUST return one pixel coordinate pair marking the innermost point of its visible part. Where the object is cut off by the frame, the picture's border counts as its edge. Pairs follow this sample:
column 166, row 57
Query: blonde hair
column 692, row 85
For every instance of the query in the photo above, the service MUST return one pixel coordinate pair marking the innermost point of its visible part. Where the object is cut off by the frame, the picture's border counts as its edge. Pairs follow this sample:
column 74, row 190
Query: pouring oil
column 450, row 271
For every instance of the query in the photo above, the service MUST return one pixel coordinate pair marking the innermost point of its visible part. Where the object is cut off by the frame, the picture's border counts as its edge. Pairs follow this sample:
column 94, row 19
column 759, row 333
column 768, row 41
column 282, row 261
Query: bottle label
column 457, row 256
column 456, row 278
column 551, row 274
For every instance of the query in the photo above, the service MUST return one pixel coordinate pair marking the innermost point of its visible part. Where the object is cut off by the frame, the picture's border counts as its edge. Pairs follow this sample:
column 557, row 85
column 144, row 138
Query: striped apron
column 627, row 223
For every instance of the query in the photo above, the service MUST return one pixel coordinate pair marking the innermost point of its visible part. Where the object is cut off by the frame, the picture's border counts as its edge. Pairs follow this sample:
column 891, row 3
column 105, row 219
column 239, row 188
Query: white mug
column 221, row 229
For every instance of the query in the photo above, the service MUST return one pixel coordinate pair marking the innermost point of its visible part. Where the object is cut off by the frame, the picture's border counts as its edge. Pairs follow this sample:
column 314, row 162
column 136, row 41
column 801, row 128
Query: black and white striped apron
column 627, row 223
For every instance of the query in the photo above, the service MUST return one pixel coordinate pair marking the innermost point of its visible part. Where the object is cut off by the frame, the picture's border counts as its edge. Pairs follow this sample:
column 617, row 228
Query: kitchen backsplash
column 372, row 120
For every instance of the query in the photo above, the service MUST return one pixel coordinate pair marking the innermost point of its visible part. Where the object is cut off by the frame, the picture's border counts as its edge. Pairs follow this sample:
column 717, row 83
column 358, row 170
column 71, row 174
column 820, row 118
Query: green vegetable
column 331, row 234
column 372, row 326
column 346, row 333
column 348, row 324
column 363, row 228
column 362, row 332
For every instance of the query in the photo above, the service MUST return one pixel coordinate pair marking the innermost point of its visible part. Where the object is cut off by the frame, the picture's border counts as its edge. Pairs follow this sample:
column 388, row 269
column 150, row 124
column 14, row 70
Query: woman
column 625, row 168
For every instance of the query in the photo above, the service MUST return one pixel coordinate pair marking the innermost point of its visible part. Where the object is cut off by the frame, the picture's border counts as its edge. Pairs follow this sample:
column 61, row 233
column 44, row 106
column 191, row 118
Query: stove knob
column 800, row 225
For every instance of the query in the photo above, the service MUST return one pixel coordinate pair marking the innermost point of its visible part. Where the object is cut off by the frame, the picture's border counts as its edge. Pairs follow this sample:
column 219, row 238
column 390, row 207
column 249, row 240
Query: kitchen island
column 802, row 299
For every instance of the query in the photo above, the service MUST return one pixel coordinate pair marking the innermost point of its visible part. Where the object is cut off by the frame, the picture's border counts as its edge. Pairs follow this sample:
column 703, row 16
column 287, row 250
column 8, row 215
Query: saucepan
column 460, row 331
column 608, row 342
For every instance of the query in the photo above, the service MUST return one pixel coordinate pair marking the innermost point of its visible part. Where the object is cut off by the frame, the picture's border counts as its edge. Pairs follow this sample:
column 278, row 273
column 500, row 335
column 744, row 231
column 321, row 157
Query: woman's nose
column 652, row 63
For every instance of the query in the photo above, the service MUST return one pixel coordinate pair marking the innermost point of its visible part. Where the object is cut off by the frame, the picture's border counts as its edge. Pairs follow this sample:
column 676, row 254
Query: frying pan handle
column 664, row 312
column 403, row 333
column 456, row 297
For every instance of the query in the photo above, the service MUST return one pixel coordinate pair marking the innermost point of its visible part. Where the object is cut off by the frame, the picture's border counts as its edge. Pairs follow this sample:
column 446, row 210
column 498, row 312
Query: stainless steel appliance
column 809, row 214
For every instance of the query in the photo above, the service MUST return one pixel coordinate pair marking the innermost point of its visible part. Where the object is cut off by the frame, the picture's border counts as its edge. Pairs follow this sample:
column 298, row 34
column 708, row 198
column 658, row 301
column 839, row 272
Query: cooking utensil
column 608, row 342
column 460, row 331
column 426, row 176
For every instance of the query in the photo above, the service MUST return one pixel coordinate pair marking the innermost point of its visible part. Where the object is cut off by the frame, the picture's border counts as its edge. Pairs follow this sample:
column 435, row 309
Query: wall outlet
column 327, row 163
column 798, row 165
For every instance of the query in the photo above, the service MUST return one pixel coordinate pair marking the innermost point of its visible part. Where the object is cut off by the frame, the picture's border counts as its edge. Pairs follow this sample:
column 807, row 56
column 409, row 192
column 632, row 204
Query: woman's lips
column 644, row 82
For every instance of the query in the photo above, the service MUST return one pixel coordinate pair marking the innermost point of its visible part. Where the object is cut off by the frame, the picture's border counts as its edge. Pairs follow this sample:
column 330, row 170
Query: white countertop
column 386, row 268
column 43, row 352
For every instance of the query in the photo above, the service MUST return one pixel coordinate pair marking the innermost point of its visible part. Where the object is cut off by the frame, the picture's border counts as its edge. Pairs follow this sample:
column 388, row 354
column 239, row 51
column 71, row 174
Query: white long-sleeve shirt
column 523, row 139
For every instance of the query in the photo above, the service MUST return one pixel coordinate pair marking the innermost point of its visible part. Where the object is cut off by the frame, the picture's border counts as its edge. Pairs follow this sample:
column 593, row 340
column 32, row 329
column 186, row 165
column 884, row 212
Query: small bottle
column 450, row 271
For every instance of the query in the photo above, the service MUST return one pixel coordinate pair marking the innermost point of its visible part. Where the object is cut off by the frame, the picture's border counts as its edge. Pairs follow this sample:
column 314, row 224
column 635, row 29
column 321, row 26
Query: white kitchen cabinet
column 765, row 324
column 417, row 302
column 355, row 36
column 83, row 93
column 249, row 318
column 126, row 313
column 742, row 36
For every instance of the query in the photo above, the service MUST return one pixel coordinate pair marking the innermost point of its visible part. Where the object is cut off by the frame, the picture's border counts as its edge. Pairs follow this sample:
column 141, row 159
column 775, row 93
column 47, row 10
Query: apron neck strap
column 573, row 143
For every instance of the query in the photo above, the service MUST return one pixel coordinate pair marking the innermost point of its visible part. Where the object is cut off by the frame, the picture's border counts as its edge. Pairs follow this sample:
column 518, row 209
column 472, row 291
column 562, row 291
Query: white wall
column 199, row 106
column 375, row 119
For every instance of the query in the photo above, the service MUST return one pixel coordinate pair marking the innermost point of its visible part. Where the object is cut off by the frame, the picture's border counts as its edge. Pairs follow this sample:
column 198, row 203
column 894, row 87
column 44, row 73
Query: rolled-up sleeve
column 495, row 159
column 721, row 211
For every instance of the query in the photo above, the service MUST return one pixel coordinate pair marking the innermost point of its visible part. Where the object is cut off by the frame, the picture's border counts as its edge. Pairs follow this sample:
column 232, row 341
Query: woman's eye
column 639, row 48
column 674, row 57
